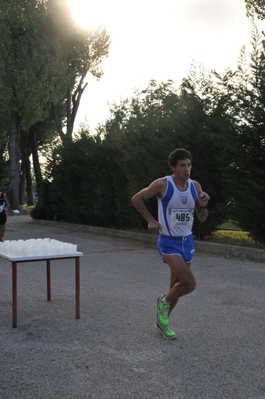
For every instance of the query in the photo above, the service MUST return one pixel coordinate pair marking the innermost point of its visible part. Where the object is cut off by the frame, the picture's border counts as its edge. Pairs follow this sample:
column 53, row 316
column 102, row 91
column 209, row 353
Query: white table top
column 37, row 249
column 40, row 257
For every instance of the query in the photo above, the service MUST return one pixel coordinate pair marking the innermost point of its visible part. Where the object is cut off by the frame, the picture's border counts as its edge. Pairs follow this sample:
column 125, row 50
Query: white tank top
column 176, row 209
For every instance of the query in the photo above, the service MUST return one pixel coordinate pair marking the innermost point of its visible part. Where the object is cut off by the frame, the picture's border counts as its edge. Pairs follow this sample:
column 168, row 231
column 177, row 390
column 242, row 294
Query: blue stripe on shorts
column 169, row 245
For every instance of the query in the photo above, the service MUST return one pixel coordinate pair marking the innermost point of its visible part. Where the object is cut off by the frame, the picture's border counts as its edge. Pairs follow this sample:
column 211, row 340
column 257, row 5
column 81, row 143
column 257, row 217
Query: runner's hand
column 154, row 227
column 203, row 198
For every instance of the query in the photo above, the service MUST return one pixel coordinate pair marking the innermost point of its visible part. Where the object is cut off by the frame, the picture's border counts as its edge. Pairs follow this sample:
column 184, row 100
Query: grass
column 234, row 237
column 230, row 233
column 230, row 224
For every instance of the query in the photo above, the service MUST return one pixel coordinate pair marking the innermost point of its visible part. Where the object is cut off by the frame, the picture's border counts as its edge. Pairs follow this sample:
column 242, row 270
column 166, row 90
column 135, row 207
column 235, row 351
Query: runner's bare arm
column 202, row 202
column 155, row 189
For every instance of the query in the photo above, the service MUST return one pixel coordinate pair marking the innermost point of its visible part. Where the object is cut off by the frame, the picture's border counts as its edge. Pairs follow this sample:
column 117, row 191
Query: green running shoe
column 162, row 312
column 166, row 331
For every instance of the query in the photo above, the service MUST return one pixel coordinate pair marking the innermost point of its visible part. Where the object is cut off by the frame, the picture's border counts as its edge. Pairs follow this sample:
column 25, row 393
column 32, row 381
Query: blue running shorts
column 182, row 246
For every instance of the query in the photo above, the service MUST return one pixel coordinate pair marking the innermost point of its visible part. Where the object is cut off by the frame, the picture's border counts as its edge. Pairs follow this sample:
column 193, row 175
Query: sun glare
column 115, row 13
column 92, row 14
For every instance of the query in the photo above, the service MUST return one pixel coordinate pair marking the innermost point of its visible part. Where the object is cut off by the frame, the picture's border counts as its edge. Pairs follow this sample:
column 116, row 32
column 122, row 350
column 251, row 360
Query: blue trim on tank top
column 165, row 201
column 193, row 192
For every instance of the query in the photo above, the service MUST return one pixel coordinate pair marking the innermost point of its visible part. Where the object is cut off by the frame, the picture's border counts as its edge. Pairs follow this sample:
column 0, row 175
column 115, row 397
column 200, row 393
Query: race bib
column 181, row 217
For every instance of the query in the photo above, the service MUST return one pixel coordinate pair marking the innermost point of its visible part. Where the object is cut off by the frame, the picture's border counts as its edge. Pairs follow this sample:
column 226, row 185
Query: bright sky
column 153, row 39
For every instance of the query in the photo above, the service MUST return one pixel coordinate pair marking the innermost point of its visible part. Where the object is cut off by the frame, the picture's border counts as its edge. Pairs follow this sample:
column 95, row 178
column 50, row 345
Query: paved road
column 113, row 351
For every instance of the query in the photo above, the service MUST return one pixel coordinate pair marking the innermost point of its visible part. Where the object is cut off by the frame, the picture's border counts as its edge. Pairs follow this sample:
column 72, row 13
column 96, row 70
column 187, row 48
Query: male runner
column 177, row 197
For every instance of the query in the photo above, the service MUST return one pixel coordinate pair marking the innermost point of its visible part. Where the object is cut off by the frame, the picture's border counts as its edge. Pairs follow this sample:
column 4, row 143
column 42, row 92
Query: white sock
column 164, row 301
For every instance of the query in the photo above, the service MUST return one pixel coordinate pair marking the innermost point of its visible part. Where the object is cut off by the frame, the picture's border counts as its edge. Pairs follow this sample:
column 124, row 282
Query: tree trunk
column 22, row 182
column 29, row 188
column 26, row 178
column 35, row 156
column 73, row 102
column 14, row 154
column 72, row 106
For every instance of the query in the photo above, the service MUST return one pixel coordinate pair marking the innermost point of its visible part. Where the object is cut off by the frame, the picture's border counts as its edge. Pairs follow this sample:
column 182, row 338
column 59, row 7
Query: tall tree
column 83, row 51
column 43, row 62
column 250, row 121
column 23, row 73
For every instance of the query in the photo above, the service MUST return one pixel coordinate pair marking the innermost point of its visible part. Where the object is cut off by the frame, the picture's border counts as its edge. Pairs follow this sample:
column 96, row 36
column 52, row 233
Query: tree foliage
column 134, row 150
column 248, row 168
column 255, row 7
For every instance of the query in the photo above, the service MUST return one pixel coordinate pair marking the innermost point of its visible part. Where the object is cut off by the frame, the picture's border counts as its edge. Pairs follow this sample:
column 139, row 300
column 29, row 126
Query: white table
column 20, row 259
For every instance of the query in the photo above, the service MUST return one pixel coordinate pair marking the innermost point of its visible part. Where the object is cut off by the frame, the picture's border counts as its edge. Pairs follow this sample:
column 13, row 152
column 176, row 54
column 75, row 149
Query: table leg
column 14, row 294
column 77, row 287
column 48, row 268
